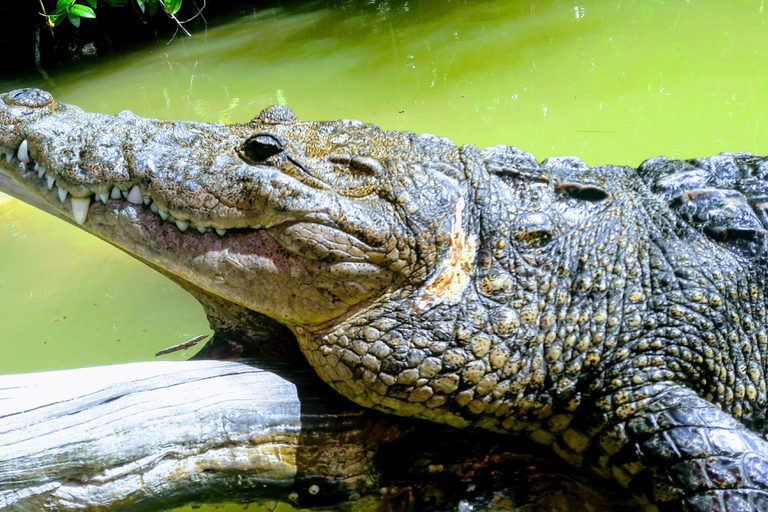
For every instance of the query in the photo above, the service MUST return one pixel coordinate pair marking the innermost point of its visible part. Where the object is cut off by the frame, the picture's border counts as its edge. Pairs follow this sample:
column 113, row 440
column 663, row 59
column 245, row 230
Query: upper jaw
column 34, row 172
column 188, row 174
column 66, row 158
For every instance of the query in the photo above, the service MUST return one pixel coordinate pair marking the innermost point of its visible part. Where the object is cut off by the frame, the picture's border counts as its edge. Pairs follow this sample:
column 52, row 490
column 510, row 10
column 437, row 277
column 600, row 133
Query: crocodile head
column 304, row 222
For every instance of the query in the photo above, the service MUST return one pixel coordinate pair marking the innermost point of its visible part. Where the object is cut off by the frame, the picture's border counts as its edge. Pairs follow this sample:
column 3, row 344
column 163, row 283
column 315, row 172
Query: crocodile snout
column 19, row 108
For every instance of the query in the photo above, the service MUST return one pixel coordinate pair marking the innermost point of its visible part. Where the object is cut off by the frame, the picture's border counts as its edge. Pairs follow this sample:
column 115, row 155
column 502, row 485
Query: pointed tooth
column 23, row 154
column 221, row 232
column 51, row 181
column 201, row 229
column 62, row 194
column 182, row 225
column 40, row 170
column 147, row 200
column 80, row 208
column 163, row 215
column 125, row 194
column 8, row 157
column 171, row 218
column 115, row 194
column 134, row 196
column 154, row 208
column 103, row 197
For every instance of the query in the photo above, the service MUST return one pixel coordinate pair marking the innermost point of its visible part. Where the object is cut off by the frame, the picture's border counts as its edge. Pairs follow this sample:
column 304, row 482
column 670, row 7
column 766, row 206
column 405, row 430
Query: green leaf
column 172, row 6
column 74, row 19
column 152, row 8
column 59, row 19
column 91, row 3
column 63, row 5
column 140, row 3
column 83, row 11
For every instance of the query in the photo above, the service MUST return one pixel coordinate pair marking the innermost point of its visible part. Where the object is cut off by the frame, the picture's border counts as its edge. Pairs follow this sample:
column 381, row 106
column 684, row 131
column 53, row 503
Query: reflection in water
column 612, row 82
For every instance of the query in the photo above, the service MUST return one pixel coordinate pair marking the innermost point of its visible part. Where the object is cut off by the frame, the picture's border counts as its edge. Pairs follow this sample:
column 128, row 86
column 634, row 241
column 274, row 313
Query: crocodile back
column 724, row 196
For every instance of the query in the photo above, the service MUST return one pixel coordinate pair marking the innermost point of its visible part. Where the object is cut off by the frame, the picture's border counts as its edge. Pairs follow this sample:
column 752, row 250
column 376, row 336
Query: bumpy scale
column 615, row 314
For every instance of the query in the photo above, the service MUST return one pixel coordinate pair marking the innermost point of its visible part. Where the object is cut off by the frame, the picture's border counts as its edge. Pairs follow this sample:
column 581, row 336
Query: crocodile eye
column 259, row 147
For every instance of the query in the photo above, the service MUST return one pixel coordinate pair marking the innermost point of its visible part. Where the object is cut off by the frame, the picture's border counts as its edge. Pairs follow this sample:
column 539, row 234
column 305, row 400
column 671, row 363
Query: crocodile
column 617, row 314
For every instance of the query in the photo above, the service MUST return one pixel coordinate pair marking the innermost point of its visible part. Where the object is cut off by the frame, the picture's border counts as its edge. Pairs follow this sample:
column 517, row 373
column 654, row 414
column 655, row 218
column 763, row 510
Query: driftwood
column 156, row 435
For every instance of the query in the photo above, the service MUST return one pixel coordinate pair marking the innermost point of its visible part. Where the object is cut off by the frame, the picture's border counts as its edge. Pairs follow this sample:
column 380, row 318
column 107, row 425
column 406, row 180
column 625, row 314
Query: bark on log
column 157, row 435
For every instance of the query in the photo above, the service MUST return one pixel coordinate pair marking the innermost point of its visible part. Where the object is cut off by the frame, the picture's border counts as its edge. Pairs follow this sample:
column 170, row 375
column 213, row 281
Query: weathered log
column 153, row 436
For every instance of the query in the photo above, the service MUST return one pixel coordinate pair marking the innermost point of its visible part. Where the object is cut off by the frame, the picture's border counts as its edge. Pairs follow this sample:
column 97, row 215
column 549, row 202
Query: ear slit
column 585, row 191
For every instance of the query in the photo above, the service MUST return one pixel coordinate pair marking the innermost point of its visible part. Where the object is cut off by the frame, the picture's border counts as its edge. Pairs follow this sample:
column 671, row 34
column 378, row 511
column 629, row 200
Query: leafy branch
column 75, row 10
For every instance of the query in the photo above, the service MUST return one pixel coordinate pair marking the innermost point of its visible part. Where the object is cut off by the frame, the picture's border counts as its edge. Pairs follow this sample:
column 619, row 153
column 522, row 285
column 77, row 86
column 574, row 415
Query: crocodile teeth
column 182, row 225
column 40, row 171
column 51, row 181
column 23, row 154
column 147, row 200
column 103, row 197
column 115, row 194
column 80, row 208
column 154, row 208
column 163, row 215
column 221, row 232
column 8, row 157
column 201, row 229
column 62, row 193
column 134, row 196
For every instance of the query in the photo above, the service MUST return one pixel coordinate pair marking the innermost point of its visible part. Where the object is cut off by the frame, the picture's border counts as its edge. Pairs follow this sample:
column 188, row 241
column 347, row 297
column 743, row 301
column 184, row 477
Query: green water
column 611, row 82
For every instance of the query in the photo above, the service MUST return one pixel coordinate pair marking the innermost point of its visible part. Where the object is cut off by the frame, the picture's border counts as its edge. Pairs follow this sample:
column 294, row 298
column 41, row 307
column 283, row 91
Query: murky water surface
column 611, row 82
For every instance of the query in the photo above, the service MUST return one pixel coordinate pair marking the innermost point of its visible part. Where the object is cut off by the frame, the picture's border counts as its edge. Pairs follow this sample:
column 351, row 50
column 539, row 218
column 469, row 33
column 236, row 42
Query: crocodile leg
column 681, row 451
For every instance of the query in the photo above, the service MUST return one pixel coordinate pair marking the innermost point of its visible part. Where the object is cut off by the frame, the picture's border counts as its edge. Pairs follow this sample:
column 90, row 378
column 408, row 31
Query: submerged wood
column 157, row 435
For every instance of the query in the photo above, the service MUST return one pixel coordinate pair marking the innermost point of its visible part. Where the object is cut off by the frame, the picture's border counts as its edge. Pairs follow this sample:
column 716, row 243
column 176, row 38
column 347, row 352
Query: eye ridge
column 259, row 147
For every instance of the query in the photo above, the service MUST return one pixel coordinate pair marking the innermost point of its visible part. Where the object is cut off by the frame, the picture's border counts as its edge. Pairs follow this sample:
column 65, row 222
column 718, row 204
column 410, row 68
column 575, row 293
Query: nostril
column 30, row 97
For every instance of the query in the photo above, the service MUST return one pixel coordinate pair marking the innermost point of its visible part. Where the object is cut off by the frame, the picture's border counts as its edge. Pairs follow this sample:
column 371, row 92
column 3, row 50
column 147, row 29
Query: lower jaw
column 247, row 266
column 12, row 187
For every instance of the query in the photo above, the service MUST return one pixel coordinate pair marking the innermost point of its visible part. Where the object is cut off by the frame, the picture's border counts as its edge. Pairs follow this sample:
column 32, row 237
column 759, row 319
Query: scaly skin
column 616, row 314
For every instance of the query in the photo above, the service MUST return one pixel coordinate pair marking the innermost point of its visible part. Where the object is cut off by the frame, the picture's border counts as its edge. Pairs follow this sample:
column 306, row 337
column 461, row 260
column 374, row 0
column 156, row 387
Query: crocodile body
column 616, row 314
